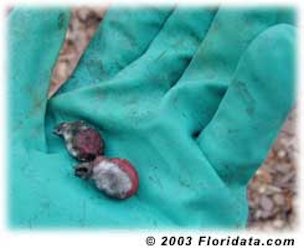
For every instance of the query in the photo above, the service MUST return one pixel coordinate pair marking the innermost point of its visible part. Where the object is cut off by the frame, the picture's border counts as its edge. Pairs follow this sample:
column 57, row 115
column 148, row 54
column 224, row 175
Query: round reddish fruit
column 82, row 140
column 116, row 177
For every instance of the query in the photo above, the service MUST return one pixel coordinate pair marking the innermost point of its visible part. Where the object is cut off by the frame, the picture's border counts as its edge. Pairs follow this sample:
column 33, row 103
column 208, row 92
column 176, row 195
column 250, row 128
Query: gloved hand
column 194, row 143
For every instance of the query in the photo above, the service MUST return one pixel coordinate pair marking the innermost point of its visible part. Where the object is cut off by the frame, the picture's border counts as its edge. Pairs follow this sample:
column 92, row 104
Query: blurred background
column 271, row 193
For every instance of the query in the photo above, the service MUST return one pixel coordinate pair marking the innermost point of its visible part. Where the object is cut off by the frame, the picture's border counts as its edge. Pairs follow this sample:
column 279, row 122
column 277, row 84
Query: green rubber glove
column 164, row 121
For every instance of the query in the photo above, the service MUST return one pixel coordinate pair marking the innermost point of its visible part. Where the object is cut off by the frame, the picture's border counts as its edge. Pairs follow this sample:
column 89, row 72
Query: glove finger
column 254, row 108
column 34, row 39
column 123, row 36
column 170, row 53
column 198, row 93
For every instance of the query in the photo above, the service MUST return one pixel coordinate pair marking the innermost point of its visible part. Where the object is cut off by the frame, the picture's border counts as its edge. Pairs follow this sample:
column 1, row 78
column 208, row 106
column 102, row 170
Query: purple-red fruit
column 82, row 140
column 115, row 177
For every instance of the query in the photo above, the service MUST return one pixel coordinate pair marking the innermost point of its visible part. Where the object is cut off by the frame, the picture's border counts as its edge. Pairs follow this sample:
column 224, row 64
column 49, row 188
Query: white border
column 110, row 238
